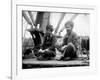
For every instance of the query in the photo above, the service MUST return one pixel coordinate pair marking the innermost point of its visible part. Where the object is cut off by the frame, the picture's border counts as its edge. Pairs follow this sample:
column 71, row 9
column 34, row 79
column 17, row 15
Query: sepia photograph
column 55, row 39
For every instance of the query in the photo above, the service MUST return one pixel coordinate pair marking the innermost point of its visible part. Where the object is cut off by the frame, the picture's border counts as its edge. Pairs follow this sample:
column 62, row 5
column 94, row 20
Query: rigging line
column 31, row 18
column 26, row 18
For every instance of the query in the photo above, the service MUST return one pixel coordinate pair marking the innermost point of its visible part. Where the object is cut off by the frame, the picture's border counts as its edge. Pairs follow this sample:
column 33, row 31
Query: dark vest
column 48, row 41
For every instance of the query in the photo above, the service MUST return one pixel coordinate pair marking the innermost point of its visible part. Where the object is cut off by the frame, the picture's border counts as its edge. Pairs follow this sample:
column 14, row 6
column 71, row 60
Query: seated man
column 47, row 50
column 68, row 47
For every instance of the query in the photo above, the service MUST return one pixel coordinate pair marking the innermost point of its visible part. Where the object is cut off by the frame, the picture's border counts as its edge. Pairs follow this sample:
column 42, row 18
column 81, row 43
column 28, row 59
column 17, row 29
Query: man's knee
column 70, row 50
column 71, row 45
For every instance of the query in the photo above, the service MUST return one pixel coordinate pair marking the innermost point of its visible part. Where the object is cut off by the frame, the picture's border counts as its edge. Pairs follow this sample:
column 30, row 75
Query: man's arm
column 64, row 40
column 74, row 38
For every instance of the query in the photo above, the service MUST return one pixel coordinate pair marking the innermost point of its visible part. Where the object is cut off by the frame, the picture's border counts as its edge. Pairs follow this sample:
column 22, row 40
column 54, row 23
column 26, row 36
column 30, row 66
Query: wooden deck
column 33, row 63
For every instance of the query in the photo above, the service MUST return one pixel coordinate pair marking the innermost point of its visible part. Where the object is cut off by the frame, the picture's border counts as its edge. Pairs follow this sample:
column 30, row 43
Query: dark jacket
column 49, row 42
column 70, row 38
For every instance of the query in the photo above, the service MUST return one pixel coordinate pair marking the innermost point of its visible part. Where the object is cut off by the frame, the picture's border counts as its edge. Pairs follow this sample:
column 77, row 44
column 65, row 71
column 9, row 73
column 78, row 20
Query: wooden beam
column 24, row 14
column 74, row 17
column 31, row 17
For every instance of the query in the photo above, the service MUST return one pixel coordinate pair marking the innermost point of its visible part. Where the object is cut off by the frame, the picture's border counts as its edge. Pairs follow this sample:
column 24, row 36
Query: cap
column 71, row 23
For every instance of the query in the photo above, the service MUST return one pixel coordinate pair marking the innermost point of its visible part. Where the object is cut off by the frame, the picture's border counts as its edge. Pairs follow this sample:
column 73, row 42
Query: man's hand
column 62, row 48
column 46, row 49
column 41, row 50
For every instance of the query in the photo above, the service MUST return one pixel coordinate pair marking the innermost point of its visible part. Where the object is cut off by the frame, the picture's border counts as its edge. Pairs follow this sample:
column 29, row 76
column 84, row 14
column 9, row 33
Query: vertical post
column 45, row 22
column 42, row 18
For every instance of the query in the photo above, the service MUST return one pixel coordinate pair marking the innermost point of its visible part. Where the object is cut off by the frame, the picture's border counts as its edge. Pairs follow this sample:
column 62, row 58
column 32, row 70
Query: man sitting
column 69, row 47
column 47, row 51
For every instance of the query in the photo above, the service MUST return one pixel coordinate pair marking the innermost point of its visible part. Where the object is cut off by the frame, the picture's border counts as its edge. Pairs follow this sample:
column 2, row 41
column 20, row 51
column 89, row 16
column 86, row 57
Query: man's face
column 48, row 31
column 68, row 28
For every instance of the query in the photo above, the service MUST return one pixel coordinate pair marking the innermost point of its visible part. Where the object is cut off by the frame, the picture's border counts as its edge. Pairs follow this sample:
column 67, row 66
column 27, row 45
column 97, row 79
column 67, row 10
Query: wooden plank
column 54, row 62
